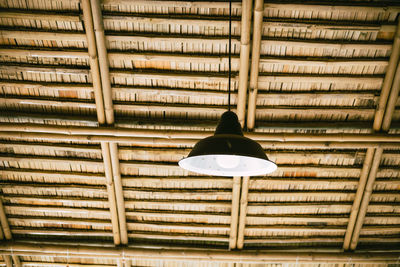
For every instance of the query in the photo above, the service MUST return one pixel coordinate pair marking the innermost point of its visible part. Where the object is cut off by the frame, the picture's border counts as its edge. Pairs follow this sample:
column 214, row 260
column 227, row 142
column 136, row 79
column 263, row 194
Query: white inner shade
column 228, row 165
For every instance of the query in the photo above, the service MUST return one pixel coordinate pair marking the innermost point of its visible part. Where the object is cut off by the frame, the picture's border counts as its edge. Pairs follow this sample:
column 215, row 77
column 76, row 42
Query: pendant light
column 228, row 152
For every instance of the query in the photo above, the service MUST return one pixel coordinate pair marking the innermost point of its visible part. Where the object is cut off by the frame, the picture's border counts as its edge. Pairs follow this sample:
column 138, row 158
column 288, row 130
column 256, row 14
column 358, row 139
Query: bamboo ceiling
column 99, row 100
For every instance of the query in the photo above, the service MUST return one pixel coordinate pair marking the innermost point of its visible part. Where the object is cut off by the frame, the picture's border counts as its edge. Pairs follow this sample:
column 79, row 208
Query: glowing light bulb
column 228, row 161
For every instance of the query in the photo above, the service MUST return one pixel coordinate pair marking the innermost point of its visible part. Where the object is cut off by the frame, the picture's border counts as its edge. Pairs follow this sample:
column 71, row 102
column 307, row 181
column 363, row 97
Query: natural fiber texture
column 99, row 100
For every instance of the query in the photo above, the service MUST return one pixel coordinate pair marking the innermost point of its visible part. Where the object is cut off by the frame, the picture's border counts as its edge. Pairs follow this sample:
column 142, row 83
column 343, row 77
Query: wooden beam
column 8, row 236
column 111, row 192
column 92, row 132
column 388, row 81
column 255, row 62
column 243, row 211
column 366, row 197
column 29, row 249
column 93, row 60
column 234, row 211
column 392, row 101
column 244, row 60
column 364, row 192
column 103, row 60
column 119, row 192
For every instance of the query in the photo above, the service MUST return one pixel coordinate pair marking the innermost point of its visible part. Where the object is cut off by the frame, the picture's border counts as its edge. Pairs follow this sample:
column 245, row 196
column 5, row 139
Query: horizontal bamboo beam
column 112, row 37
column 198, row 255
column 195, row 58
column 91, row 133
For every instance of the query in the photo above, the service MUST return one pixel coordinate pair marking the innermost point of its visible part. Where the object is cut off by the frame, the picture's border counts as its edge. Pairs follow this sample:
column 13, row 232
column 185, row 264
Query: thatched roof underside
column 99, row 100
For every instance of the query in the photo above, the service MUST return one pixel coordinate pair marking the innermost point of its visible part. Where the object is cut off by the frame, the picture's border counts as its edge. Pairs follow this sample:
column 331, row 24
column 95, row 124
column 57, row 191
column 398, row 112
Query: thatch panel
column 323, row 49
column 51, row 164
column 59, row 261
column 43, row 39
column 324, row 83
column 148, row 169
column 280, row 157
column 61, row 234
column 288, row 209
column 300, row 196
column 380, row 231
column 41, row 105
column 388, row 172
column 42, row 21
column 166, row 124
column 391, row 158
column 321, row 67
column 315, row 171
column 294, row 242
column 326, row 32
column 178, row 96
column 55, row 190
column 47, row 90
column 391, row 197
column 51, row 177
column 167, row 25
column 299, row 183
column 163, row 169
column 222, row 230
column 22, row 148
column 223, row 208
column 172, row 7
column 335, row 13
column 171, row 80
column 57, row 5
column 314, row 114
column 58, row 212
column 361, row 100
column 172, row 44
column 381, row 220
column 155, row 111
column 37, row 57
column 171, row 62
column 318, row 220
column 178, row 195
column 382, row 208
column 175, row 218
column 45, row 74
column 71, row 206
column 49, row 119
column 282, row 231
column 58, row 223
column 188, row 183
column 386, row 184
column 305, row 157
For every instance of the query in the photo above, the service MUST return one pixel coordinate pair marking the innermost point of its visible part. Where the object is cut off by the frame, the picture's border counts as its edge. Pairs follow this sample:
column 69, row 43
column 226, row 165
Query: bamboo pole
column 8, row 235
column 388, row 81
column 150, row 141
column 107, row 132
column 358, row 198
column 366, row 197
column 391, row 103
column 119, row 192
column 243, row 211
column 320, row 256
column 111, row 191
column 244, row 60
column 255, row 62
column 93, row 60
column 103, row 60
column 234, row 211
column 7, row 260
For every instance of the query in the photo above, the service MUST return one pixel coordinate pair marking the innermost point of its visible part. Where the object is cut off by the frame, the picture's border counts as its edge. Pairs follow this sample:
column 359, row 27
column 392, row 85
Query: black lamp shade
column 228, row 152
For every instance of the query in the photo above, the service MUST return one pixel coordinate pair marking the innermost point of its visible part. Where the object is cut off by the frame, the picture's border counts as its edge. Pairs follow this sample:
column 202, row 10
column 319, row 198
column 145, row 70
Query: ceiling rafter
column 382, row 120
column 6, row 233
column 100, row 71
